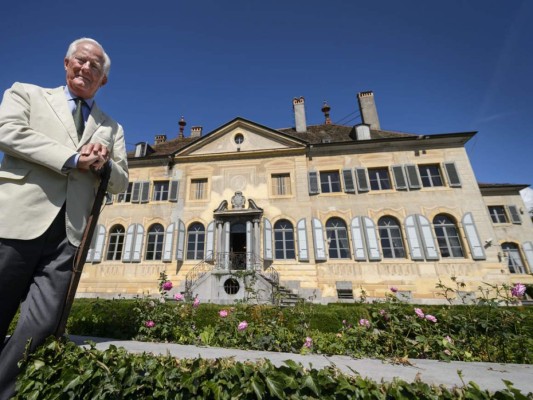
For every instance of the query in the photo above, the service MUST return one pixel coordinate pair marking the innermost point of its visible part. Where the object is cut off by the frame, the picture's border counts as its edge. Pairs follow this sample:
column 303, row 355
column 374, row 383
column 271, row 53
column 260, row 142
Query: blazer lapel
column 96, row 118
column 57, row 100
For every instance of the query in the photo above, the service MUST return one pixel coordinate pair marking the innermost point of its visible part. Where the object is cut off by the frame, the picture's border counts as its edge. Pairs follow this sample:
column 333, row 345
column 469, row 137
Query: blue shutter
column 138, row 243
column 358, row 242
column 347, row 175
column 267, row 240
column 515, row 216
column 180, row 244
column 362, row 180
column 174, row 190
column 210, row 242
column 413, row 238
column 399, row 177
column 99, row 244
column 413, row 178
column 313, row 182
column 318, row 237
column 169, row 241
column 371, row 239
column 528, row 251
column 136, row 192
column 427, row 238
column 145, row 192
column 453, row 176
column 476, row 248
column 128, row 245
column 303, row 249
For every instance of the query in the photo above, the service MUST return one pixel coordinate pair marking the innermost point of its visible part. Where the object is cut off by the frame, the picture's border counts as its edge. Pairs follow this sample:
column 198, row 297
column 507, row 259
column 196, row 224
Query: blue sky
column 434, row 67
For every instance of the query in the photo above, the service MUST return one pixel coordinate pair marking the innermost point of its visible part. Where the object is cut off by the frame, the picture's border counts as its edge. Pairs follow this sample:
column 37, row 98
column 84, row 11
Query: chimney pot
column 367, row 108
column 299, row 114
column 160, row 139
column 196, row 131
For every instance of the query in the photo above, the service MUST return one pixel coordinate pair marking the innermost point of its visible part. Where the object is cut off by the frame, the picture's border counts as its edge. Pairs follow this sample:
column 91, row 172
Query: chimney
column 196, row 131
column 325, row 110
column 367, row 108
column 299, row 114
column 182, row 124
column 160, row 139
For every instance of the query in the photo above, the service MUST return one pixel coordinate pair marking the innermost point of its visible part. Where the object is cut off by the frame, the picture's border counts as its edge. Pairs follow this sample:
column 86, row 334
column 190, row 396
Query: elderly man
column 55, row 141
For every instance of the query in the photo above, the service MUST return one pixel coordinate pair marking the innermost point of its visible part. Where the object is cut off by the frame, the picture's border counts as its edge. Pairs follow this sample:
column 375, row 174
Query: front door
column 237, row 245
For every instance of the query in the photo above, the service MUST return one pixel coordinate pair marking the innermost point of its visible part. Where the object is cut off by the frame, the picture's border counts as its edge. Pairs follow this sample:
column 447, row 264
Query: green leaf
column 275, row 387
column 258, row 387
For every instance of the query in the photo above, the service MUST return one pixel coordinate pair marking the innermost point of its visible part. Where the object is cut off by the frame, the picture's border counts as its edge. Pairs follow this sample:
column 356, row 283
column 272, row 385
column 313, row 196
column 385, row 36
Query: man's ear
column 104, row 81
column 66, row 63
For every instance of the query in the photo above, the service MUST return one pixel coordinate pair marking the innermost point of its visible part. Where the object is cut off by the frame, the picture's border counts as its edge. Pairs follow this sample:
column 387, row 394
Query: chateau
column 327, row 212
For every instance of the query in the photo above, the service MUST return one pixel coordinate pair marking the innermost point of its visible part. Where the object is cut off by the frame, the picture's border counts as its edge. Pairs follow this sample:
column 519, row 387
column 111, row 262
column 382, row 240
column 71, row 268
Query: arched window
column 514, row 258
column 447, row 237
column 337, row 236
column 284, row 240
column 196, row 242
column 154, row 242
column 116, row 243
column 391, row 239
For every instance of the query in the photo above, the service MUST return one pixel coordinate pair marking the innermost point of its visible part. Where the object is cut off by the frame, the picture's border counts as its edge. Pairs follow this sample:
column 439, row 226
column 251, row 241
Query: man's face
column 85, row 70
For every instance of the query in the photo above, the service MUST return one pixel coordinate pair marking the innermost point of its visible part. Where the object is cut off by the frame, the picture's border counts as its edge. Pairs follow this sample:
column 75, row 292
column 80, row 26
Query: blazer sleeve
column 118, row 181
column 19, row 139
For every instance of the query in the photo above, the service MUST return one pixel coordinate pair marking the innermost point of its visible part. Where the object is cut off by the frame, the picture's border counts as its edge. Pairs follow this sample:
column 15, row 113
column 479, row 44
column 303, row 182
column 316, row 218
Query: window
column 330, row 181
column 447, row 237
column 281, row 184
column 430, row 175
column 284, row 240
column 154, row 243
column 239, row 138
column 391, row 238
column 337, row 237
column 126, row 196
column 379, row 178
column 116, row 243
column 514, row 259
column 198, row 189
column 498, row 214
column 196, row 242
column 160, row 191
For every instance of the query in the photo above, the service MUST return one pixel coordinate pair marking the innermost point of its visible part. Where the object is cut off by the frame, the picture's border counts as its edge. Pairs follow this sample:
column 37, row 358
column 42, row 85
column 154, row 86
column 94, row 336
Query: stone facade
column 327, row 213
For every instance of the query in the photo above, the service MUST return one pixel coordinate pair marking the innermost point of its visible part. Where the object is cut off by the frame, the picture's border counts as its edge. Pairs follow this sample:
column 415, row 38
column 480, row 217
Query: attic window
column 326, row 140
column 239, row 138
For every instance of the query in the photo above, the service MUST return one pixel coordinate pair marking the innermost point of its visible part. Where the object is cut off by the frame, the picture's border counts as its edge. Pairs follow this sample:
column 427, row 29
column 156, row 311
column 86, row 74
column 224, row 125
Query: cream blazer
column 37, row 136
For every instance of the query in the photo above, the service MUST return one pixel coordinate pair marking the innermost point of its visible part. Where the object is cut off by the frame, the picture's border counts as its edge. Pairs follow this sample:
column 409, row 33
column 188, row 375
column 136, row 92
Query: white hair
column 74, row 45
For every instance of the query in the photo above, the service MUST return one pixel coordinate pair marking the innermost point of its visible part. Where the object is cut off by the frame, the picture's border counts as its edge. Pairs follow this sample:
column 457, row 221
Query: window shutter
column 136, row 192
column 303, row 252
column 180, row 244
column 267, row 239
column 318, row 237
column 358, row 240
column 349, row 186
column 476, row 248
column 138, row 243
column 145, row 193
column 528, row 251
column 362, row 180
column 413, row 238
column 249, row 243
column 99, row 244
column 515, row 215
column 169, row 239
column 210, row 242
column 453, row 176
column 128, row 245
column 90, row 252
column 412, row 176
column 313, row 182
column 108, row 199
column 174, row 190
column 427, row 238
column 371, row 237
column 399, row 177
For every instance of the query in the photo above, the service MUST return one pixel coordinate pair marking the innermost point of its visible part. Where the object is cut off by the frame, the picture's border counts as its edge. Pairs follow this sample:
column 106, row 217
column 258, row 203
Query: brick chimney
column 299, row 114
column 160, row 139
column 367, row 108
column 196, row 131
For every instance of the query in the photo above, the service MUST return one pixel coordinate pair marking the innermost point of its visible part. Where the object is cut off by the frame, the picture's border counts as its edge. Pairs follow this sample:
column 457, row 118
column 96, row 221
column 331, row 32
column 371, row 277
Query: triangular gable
column 241, row 135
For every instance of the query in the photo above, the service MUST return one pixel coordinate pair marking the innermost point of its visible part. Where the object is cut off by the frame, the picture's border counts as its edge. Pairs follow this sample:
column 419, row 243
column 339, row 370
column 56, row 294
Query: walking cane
column 85, row 244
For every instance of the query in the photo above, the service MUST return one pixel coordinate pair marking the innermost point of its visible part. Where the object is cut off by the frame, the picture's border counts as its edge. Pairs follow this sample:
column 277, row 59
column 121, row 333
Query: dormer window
column 239, row 138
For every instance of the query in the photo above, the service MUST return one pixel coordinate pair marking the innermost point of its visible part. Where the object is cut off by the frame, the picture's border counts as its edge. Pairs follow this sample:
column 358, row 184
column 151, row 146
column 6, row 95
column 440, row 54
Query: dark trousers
column 34, row 274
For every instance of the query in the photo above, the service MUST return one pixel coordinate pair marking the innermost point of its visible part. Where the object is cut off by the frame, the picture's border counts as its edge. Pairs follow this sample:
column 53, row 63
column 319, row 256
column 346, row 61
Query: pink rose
column 167, row 285
column 242, row 326
column 308, row 342
column 431, row 318
column 518, row 290
column 196, row 302
column 393, row 289
column 364, row 322
column 419, row 312
column 149, row 324
column 179, row 297
column 223, row 313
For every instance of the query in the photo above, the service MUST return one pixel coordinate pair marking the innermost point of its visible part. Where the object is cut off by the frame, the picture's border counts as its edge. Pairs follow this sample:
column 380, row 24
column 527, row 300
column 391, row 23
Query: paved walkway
column 488, row 376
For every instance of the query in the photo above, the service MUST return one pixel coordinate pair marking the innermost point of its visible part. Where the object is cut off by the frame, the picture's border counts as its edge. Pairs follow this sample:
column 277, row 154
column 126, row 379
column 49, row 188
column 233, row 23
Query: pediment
column 243, row 136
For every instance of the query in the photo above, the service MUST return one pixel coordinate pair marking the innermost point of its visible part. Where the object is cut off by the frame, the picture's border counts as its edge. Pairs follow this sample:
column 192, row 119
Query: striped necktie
column 78, row 117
